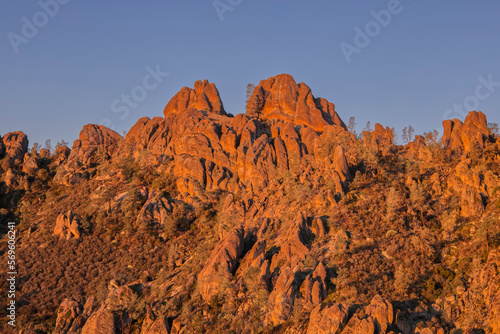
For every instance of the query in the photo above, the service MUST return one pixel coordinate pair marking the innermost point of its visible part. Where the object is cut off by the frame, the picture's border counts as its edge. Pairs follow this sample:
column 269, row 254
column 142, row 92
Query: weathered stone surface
column 156, row 209
column 293, row 244
column 280, row 97
column 313, row 289
column 382, row 312
column 204, row 96
column 380, row 138
column 67, row 312
column 105, row 321
column 282, row 297
column 15, row 145
column 10, row 178
column 89, row 307
column 96, row 143
column 155, row 325
column 61, row 155
column 340, row 163
column 464, row 136
column 419, row 149
column 67, row 226
column 94, row 139
column 30, row 165
column 221, row 263
column 327, row 320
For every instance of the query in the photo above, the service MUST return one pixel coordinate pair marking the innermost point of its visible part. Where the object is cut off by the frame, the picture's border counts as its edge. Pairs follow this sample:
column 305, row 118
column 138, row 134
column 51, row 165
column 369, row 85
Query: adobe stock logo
column 373, row 28
column 222, row 6
column 31, row 27
column 484, row 90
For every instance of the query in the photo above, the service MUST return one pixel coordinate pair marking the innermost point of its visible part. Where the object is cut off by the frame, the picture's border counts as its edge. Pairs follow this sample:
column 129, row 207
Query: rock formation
column 204, row 97
column 276, row 220
column 222, row 264
column 67, row 226
column 14, row 145
column 281, row 98
column 464, row 136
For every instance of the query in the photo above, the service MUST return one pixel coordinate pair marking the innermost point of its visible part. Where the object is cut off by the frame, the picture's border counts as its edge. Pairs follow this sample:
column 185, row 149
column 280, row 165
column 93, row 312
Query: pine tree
column 352, row 125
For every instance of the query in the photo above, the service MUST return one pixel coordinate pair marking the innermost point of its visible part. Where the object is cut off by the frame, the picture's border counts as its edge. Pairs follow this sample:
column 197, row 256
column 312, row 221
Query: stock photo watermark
column 223, row 6
column 483, row 91
column 364, row 36
column 11, row 274
column 121, row 106
column 31, row 26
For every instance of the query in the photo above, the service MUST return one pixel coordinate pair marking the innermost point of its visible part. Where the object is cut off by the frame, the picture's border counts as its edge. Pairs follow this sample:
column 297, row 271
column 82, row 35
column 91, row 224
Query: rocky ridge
column 276, row 197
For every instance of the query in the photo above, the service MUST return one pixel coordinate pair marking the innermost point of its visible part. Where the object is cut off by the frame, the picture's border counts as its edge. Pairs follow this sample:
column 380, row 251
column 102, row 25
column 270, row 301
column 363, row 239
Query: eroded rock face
column 204, row 96
column 380, row 138
column 212, row 151
column 313, row 289
column 221, row 264
column 327, row 320
column 283, row 295
column 93, row 138
column 105, row 321
column 156, row 209
column 14, row 145
column 419, row 149
column 280, row 97
column 67, row 312
column 95, row 144
column 155, row 325
column 30, row 164
column 382, row 312
column 464, row 136
column 67, row 226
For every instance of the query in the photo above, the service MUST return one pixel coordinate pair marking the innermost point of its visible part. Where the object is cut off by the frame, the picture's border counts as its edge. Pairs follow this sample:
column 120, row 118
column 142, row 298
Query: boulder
column 326, row 320
column 382, row 312
column 15, row 145
column 106, row 321
column 155, row 325
column 30, row 165
column 68, row 226
column 340, row 163
column 67, row 312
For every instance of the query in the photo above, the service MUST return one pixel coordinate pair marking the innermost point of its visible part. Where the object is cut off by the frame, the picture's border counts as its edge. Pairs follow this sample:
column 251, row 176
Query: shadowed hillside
column 280, row 220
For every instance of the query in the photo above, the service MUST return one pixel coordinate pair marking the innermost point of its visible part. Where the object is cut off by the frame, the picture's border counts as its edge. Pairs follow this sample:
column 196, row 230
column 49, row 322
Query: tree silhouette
column 368, row 127
column 352, row 125
column 408, row 132
column 250, row 89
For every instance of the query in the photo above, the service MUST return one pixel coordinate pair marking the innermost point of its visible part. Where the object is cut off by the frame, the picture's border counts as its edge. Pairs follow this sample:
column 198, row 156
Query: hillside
column 280, row 220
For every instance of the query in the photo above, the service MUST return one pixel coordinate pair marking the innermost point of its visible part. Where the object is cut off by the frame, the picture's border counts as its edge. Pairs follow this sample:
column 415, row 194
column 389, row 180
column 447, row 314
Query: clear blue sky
column 86, row 56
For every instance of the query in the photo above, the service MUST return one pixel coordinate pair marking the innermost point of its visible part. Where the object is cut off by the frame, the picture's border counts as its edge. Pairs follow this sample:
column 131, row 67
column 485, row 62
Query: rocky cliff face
column 277, row 220
column 465, row 135
column 204, row 97
column 281, row 98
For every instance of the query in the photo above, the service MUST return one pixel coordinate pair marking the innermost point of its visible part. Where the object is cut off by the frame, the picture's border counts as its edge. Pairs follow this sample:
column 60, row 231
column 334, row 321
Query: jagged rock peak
column 463, row 136
column 280, row 97
column 14, row 145
column 204, row 96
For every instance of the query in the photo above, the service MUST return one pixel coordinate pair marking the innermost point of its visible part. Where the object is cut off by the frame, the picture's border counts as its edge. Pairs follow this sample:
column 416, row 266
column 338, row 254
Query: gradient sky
column 428, row 58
